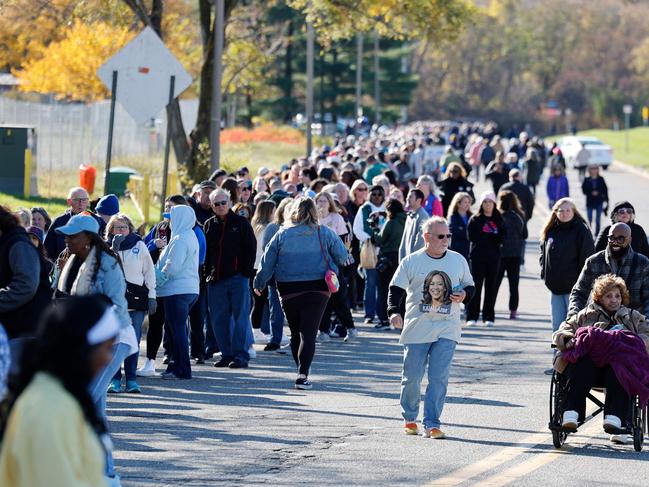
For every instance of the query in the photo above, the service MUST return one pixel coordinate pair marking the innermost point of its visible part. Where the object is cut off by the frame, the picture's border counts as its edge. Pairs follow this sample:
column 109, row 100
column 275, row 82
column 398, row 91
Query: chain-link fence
column 68, row 134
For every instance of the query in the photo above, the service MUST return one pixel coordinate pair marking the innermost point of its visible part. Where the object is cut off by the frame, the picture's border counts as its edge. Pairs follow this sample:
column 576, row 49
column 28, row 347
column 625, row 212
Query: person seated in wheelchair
column 608, row 312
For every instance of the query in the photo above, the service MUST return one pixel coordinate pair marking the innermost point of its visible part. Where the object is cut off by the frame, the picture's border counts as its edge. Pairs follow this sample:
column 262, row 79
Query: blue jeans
column 197, row 318
column 276, row 315
column 176, row 315
column 371, row 288
column 98, row 388
column 595, row 211
column 130, row 364
column 438, row 355
column 229, row 305
column 559, row 305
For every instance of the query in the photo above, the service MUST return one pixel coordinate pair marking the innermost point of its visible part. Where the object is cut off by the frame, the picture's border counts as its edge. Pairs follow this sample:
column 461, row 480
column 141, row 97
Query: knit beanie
column 108, row 205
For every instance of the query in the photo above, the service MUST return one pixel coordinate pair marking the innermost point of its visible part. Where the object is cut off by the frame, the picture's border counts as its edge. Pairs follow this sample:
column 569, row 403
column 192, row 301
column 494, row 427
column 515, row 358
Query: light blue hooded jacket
column 177, row 268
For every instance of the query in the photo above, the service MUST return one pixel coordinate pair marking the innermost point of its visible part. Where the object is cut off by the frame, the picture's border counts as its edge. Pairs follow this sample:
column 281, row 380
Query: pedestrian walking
column 515, row 236
column 459, row 215
column 432, row 204
column 596, row 192
column 140, row 290
column 525, row 196
column 566, row 243
column 557, row 186
column 413, row 239
column 624, row 212
column 434, row 282
column 302, row 257
column 41, row 219
column 229, row 264
column 51, row 433
column 359, row 193
column 455, row 181
column 486, row 232
column 177, row 283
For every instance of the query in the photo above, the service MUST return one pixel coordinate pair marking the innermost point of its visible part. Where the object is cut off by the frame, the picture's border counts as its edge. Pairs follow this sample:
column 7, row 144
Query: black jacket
column 450, row 187
column 589, row 185
column 486, row 235
column 231, row 247
column 515, row 234
column 563, row 254
column 524, row 194
column 638, row 239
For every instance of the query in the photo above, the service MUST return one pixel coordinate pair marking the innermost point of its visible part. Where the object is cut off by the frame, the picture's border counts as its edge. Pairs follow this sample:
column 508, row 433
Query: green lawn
column 638, row 154
column 53, row 187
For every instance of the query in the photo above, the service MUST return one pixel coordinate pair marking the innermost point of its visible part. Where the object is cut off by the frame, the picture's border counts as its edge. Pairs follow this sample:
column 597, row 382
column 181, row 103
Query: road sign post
column 627, row 109
column 165, row 167
column 111, row 124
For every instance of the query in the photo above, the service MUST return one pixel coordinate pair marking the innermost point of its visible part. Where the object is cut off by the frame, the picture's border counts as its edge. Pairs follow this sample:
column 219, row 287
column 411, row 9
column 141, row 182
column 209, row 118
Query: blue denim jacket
column 294, row 254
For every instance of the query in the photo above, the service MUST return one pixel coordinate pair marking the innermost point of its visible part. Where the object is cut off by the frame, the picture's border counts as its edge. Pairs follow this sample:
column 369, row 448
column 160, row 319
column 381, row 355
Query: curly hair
column 606, row 283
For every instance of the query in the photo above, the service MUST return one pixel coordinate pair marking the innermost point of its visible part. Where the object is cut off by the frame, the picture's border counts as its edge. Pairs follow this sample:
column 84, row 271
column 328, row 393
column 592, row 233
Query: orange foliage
column 263, row 133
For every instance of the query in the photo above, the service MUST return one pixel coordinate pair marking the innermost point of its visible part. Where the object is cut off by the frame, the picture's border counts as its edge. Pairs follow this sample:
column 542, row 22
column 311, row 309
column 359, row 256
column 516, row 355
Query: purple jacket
column 623, row 350
column 557, row 188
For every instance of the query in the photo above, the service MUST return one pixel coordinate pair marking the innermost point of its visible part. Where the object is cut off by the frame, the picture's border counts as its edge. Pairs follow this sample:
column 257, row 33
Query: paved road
column 242, row 427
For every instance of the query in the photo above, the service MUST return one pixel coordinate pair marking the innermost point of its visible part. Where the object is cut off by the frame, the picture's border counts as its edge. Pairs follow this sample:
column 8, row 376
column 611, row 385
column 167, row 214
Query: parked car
column 600, row 153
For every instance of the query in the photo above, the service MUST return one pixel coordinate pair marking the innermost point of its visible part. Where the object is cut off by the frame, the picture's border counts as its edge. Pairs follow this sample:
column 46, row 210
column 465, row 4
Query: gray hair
column 77, row 189
column 427, row 226
column 220, row 192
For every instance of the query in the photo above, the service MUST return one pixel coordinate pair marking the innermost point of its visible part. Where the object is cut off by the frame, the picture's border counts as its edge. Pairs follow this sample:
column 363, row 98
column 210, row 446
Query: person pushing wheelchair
column 605, row 344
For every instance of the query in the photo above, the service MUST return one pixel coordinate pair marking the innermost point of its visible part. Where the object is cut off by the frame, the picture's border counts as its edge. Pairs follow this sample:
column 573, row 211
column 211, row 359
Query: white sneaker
column 612, row 424
column 252, row 353
column 147, row 370
column 489, row 324
column 620, row 439
column 351, row 334
column 570, row 419
column 323, row 337
column 471, row 323
column 260, row 337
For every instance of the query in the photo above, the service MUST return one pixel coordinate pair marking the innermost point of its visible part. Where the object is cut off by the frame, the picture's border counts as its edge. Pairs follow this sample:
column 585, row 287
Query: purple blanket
column 622, row 349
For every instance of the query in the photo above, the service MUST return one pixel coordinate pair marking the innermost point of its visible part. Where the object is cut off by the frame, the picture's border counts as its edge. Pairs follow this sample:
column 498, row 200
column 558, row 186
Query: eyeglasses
column 120, row 227
column 563, row 210
column 616, row 239
column 441, row 236
column 79, row 200
column 623, row 211
column 376, row 195
column 220, row 203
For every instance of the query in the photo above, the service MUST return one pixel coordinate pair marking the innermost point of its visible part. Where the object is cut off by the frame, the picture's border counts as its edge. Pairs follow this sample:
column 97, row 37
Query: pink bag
column 330, row 276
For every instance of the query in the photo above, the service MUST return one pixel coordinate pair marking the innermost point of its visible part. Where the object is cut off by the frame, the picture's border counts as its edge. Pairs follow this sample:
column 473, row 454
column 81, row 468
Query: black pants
column 485, row 272
column 339, row 304
column 584, row 375
column 259, row 303
column 154, row 335
column 303, row 313
column 384, row 286
column 511, row 265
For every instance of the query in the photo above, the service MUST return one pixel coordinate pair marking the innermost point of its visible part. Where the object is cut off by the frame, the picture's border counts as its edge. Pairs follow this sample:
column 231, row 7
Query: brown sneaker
column 435, row 433
column 411, row 429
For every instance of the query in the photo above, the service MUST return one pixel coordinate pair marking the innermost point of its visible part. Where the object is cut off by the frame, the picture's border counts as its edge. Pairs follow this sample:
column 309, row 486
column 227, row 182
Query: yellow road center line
column 524, row 468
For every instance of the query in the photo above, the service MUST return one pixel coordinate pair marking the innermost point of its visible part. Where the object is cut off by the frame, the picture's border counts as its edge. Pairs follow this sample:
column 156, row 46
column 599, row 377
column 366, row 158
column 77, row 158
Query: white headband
column 106, row 328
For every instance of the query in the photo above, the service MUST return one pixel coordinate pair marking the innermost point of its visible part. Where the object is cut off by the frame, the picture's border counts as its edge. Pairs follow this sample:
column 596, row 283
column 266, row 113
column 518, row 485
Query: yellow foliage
column 68, row 67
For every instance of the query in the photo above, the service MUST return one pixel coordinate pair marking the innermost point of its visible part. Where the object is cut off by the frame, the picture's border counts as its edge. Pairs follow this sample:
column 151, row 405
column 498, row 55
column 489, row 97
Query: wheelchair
column 636, row 423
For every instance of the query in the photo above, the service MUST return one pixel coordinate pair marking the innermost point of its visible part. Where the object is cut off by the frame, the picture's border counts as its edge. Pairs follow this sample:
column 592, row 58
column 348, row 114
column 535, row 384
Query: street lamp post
column 309, row 87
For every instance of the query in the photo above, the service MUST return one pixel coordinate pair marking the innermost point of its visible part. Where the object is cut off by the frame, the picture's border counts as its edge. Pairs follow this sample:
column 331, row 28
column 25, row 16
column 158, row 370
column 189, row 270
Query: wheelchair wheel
column 557, row 400
column 639, row 424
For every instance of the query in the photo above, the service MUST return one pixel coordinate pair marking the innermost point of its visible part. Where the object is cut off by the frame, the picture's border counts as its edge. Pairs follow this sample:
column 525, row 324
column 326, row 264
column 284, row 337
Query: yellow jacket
column 48, row 442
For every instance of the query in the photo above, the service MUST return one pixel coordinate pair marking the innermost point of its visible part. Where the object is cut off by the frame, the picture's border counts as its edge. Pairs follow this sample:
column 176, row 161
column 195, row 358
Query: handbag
column 330, row 276
column 137, row 296
column 368, row 255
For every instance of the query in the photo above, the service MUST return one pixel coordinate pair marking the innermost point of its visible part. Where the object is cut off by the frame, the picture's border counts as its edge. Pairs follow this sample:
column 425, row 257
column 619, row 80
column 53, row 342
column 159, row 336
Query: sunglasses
column 376, row 194
column 246, row 188
column 361, row 189
column 623, row 211
column 220, row 203
column 618, row 239
column 441, row 236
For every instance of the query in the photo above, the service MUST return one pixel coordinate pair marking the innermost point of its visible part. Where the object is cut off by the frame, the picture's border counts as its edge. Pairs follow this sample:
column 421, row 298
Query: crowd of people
column 386, row 225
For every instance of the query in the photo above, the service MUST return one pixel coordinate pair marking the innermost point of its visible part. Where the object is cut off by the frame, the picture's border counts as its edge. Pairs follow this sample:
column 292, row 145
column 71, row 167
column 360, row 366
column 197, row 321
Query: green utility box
column 17, row 174
column 119, row 179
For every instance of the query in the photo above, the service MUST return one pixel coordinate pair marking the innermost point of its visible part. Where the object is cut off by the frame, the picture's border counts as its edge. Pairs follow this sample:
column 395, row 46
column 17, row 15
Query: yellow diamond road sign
column 144, row 68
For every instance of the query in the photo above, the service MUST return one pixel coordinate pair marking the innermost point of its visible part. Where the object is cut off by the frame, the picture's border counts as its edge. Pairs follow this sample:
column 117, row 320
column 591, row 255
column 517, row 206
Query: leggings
column 303, row 313
column 513, row 267
column 154, row 335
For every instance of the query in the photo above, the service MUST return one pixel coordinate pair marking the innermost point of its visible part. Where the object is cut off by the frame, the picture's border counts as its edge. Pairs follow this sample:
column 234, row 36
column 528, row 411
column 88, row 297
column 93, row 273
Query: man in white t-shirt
column 434, row 282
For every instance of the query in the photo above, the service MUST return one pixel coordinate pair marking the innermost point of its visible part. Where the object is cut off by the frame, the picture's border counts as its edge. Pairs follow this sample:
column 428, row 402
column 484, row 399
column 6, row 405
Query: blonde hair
column 454, row 165
column 263, row 215
column 455, row 202
column 355, row 186
column 554, row 221
column 304, row 212
column 608, row 282
column 281, row 211
column 111, row 224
